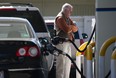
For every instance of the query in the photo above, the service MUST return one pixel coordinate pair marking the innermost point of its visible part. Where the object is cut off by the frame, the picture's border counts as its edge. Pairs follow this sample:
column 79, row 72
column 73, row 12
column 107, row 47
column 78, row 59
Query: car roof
column 13, row 19
column 18, row 6
column 49, row 21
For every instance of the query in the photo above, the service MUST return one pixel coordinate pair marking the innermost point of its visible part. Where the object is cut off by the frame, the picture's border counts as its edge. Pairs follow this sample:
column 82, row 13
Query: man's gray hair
column 65, row 6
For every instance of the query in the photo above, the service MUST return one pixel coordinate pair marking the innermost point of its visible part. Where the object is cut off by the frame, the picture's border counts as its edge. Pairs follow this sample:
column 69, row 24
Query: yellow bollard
column 106, row 44
column 89, row 58
column 79, row 57
column 81, row 48
column 103, row 49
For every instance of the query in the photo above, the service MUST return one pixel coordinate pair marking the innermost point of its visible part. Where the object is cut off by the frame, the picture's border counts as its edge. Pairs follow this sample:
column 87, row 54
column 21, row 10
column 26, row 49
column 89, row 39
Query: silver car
column 20, row 49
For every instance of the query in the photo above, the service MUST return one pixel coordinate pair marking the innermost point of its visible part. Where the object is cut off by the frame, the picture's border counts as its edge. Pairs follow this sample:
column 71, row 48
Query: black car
column 27, row 11
column 20, row 49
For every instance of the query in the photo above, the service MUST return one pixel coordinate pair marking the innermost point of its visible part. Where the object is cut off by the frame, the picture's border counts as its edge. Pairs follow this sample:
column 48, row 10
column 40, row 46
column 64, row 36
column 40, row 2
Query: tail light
column 7, row 9
column 31, row 51
column 22, row 52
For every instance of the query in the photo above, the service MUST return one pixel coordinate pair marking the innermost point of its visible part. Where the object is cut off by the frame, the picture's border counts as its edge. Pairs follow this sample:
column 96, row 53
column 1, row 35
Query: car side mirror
column 84, row 35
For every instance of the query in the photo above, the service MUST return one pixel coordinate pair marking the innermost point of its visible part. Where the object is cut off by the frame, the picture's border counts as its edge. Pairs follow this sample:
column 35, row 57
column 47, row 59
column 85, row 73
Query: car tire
column 38, row 74
column 4, row 74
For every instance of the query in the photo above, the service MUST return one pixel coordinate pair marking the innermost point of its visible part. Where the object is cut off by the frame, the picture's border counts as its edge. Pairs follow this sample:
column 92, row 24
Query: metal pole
column 113, row 64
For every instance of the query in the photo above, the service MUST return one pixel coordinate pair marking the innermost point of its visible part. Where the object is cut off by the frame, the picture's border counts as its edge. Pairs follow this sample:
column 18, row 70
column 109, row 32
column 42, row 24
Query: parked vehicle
column 32, row 14
column 79, row 37
column 20, row 48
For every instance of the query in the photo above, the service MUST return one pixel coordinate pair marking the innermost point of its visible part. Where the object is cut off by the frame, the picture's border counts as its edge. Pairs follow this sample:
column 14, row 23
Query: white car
column 78, row 36
column 78, row 41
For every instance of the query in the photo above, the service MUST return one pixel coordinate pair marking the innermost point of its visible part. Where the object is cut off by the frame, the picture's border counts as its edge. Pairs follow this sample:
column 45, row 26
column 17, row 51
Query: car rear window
column 50, row 27
column 34, row 17
column 14, row 30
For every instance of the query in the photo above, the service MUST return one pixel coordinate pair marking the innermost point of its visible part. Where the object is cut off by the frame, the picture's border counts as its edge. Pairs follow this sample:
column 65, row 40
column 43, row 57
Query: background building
column 52, row 7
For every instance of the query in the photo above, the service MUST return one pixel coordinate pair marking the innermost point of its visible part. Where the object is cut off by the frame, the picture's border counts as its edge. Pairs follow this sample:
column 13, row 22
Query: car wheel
column 1, row 74
column 38, row 74
column 50, row 59
column 4, row 74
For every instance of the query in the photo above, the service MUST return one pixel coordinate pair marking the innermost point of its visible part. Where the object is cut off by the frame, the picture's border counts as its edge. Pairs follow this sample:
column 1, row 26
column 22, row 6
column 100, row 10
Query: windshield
column 14, row 30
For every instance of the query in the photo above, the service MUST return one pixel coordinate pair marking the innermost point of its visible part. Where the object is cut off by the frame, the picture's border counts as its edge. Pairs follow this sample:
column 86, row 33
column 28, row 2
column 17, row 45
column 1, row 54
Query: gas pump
column 105, row 28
